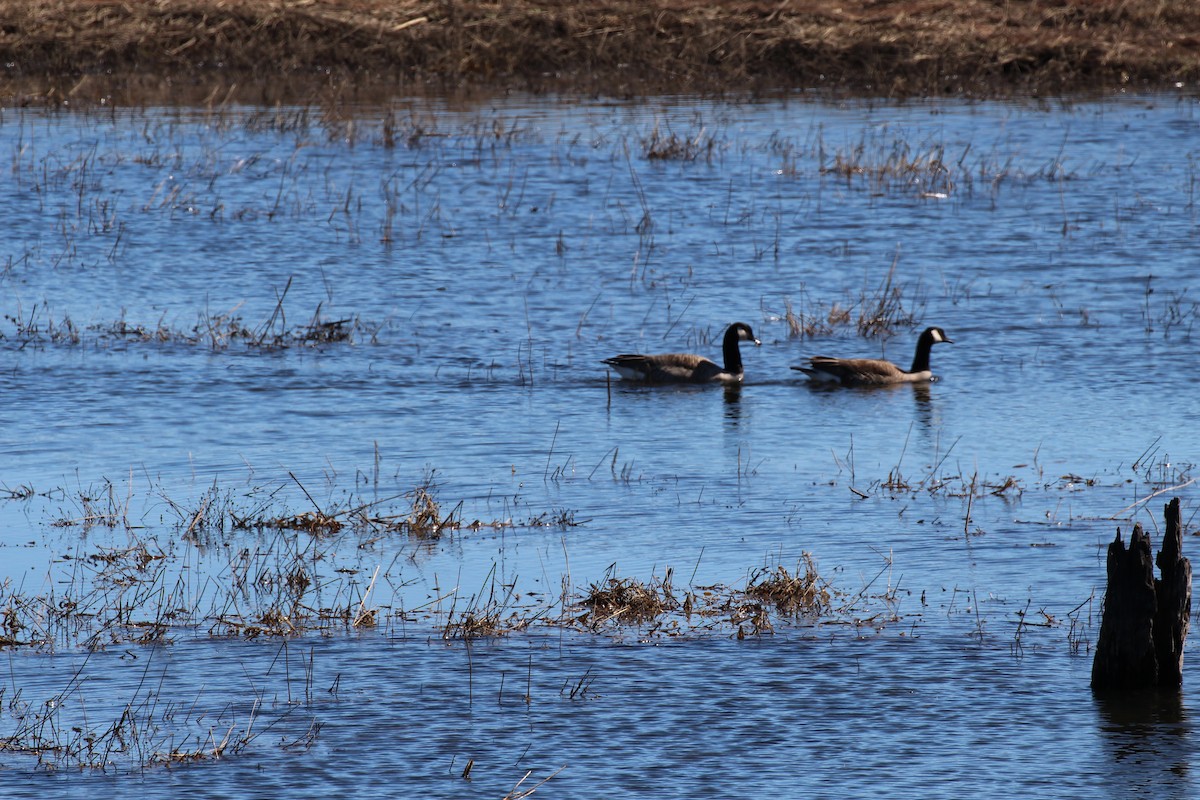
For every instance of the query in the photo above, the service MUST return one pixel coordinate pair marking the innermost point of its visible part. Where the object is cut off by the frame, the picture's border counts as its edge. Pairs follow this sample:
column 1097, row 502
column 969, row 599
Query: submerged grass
column 287, row 576
column 74, row 730
column 216, row 332
column 292, row 572
column 213, row 575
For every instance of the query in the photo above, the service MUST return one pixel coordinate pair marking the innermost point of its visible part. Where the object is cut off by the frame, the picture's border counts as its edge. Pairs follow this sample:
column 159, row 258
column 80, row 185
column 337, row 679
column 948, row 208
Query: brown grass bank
column 185, row 48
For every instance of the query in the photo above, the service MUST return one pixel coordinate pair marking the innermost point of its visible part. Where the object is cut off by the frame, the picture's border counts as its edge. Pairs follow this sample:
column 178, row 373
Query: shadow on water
column 1148, row 735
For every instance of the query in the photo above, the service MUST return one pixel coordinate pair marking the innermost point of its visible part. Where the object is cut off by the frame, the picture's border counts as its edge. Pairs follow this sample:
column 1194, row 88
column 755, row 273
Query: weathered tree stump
column 1174, row 594
column 1145, row 621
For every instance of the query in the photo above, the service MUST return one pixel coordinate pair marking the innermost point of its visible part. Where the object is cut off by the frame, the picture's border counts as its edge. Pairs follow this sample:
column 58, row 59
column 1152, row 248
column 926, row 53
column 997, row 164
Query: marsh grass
column 281, row 582
column 272, row 54
column 791, row 594
column 771, row 597
column 902, row 166
column 217, row 332
column 72, row 730
column 1172, row 311
column 879, row 311
column 286, row 578
column 660, row 145
column 425, row 519
column 314, row 522
column 883, row 310
column 520, row 791
column 95, row 505
column 626, row 600
column 941, row 479
column 489, row 614
column 812, row 320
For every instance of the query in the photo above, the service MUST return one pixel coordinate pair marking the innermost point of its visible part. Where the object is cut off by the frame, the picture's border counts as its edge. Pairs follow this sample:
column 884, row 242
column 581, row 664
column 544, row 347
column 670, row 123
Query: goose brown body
column 876, row 371
column 687, row 367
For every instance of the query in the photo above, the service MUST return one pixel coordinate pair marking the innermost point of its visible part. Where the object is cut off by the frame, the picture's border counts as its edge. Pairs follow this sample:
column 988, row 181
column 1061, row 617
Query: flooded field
column 313, row 478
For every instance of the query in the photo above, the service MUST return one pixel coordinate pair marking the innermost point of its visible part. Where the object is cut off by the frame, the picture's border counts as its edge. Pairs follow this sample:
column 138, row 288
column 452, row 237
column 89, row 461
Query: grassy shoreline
column 267, row 50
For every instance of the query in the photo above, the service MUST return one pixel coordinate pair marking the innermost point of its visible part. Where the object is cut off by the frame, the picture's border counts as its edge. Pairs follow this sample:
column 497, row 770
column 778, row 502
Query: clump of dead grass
column 488, row 615
column 922, row 169
column 425, row 519
column 670, row 146
column 314, row 522
column 791, row 593
column 473, row 625
column 878, row 311
column 818, row 321
column 626, row 600
column 884, row 310
column 487, row 622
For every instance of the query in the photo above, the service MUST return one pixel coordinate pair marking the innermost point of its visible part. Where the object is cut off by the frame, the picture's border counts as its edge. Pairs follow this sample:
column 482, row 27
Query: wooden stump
column 1145, row 621
column 1174, row 594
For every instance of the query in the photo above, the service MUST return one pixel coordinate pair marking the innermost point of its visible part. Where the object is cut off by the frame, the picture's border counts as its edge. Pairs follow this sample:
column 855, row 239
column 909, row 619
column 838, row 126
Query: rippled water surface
column 219, row 323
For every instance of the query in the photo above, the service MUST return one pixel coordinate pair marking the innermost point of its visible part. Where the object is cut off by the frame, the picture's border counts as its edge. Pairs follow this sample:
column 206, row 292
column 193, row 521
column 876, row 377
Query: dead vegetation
column 217, row 332
column 75, row 729
column 286, row 577
column 902, row 164
column 770, row 596
column 495, row 613
column 670, row 146
column 293, row 573
column 879, row 311
column 265, row 51
column 791, row 594
column 211, row 574
column 626, row 600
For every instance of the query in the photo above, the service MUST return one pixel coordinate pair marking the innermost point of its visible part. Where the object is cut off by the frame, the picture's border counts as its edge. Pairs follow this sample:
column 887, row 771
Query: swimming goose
column 875, row 371
column 687, row 367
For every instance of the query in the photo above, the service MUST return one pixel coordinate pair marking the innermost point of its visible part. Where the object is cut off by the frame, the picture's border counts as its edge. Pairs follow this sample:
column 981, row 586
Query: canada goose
column 687, row 367
column 875, row 371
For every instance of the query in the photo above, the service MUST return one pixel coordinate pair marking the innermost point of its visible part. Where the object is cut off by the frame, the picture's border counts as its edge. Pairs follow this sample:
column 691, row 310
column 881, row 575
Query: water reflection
column 1149, row 737
column 733, row 403
column 927, row 414
column 922, row 395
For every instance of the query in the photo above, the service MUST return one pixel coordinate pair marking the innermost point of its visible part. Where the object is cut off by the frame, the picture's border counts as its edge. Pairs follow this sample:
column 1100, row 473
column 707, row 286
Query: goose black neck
column 731, row 351
column 921, row 359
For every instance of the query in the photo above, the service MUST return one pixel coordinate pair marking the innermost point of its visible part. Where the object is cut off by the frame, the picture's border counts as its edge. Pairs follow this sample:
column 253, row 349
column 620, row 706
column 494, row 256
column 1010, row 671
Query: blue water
column 482, row 266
